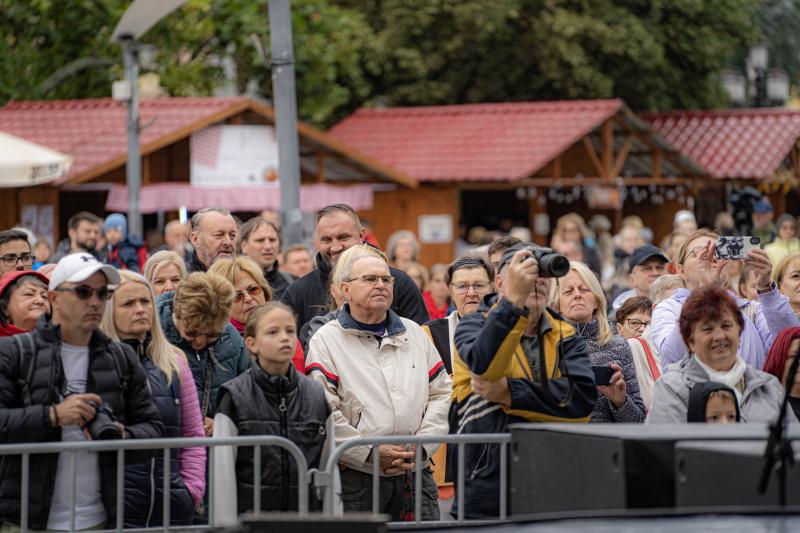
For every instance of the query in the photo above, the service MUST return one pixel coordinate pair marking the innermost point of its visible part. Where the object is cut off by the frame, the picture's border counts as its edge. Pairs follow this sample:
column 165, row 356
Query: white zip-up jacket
column 393, row 385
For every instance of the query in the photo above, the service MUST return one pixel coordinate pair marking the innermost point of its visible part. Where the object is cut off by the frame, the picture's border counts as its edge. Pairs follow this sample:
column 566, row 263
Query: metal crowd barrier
column 25, row 450
column 322, row 479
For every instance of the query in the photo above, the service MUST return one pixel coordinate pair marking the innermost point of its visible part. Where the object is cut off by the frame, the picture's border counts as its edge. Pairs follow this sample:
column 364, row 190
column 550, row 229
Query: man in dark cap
column 646, row 264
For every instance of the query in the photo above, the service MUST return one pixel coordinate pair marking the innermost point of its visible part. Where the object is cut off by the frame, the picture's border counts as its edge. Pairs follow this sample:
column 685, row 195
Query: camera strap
column 118, row 355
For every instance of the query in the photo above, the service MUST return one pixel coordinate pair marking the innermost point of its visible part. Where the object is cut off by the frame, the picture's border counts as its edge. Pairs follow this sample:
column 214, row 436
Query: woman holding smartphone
column 699, row 267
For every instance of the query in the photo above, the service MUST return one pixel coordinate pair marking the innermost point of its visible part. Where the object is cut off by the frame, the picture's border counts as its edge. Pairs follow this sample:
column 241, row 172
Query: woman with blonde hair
column 786, row 276
column 572, row 228
column 579, row 298
column 131, row 318
column 402, row 249
column 249, row 283
column 164, row 270
column 252, row 291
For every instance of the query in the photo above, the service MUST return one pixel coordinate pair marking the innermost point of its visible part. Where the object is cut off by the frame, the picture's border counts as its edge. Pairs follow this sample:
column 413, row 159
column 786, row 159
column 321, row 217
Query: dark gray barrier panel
column 571, row 467
column 718, row 474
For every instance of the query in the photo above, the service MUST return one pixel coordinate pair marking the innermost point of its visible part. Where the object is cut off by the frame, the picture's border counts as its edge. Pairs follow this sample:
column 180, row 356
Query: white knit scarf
column 732, row 378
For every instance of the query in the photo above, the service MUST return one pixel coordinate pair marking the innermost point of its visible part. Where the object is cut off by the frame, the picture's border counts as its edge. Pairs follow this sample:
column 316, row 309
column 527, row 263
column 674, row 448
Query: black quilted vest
column 290, row 406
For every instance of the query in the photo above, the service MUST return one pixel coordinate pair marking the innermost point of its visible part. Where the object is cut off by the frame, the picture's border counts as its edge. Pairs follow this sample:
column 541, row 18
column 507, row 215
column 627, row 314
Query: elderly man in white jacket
column 382, row 376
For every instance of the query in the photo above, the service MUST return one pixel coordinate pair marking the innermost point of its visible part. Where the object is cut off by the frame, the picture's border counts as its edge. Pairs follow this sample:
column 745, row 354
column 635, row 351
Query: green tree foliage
column 655, row 54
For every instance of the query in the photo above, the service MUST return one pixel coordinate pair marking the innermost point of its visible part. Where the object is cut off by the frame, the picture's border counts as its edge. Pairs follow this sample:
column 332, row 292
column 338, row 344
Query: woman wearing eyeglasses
column 252, row 290
column 130, row 318
column 196, row 319
column 468, row 279
column 23, row 299
column 700, row 268
column 633, row 323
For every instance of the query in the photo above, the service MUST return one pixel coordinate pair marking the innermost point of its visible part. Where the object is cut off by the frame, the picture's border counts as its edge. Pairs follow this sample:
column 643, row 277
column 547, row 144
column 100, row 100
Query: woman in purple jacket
column 699, row 267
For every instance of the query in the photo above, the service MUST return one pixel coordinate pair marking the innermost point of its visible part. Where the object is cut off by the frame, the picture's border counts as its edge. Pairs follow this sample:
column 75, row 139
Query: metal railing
column 25, row 450
column 324, row 478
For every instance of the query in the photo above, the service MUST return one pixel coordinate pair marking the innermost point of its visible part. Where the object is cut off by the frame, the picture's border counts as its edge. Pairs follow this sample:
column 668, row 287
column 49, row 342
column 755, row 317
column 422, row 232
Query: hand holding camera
column 90, row 412
column 77, row 409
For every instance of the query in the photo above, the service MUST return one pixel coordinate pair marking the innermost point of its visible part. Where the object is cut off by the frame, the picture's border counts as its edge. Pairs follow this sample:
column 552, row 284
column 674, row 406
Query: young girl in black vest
column 272, row 398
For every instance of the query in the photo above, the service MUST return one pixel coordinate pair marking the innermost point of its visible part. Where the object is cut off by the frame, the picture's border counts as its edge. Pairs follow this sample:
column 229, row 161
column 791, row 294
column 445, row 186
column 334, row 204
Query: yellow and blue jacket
column 488, row 344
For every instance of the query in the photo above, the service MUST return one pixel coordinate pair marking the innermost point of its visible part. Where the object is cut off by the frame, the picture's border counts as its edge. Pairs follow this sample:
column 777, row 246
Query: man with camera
column 516, row 361
column 66, row 381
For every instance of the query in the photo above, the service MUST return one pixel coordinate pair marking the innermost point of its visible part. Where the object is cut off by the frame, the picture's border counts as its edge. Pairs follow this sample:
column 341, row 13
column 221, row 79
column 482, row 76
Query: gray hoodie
column 761, row 400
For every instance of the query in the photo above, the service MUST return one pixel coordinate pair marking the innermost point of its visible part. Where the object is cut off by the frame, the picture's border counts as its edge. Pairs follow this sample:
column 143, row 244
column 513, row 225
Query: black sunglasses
column 84, row 292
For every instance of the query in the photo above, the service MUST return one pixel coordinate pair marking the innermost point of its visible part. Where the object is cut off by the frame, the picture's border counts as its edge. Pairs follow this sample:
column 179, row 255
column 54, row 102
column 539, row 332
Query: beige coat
column 395, row 386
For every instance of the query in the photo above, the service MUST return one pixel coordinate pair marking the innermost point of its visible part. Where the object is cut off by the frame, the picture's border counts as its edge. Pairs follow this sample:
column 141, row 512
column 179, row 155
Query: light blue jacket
column 773, row 315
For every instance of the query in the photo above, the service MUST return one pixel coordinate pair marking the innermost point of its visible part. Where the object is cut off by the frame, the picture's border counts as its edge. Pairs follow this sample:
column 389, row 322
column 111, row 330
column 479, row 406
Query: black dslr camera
column 102, row 426
column 551, row 264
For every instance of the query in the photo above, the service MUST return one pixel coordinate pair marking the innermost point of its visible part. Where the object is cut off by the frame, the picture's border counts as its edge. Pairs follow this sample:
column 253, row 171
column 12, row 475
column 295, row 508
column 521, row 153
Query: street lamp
column 140, row 16
column 762, row 86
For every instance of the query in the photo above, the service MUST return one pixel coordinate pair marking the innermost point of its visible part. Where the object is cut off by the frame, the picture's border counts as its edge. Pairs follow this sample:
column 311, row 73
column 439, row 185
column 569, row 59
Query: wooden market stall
column 498, row 165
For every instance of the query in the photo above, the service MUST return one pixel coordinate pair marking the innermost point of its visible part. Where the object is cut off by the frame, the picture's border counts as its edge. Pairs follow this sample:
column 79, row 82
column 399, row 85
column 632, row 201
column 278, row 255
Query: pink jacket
column 192, row 460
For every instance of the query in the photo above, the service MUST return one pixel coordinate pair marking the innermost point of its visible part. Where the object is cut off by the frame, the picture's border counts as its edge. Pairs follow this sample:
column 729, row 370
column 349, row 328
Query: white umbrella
column 23, row 163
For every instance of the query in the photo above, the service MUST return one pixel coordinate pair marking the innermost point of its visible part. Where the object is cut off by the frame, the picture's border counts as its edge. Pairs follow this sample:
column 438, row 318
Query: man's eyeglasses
column 84, row 292
column 464, row 287
column 11, row 260
column 253, row 291
column 637, row 324
column 372, row 279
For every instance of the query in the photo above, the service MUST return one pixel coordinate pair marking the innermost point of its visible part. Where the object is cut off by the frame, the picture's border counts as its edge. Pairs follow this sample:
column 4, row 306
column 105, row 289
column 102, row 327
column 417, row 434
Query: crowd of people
column 218, row 332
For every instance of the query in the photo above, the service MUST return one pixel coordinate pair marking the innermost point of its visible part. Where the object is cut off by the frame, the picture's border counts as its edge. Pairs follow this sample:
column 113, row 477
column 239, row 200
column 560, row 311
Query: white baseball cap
column 75, row 268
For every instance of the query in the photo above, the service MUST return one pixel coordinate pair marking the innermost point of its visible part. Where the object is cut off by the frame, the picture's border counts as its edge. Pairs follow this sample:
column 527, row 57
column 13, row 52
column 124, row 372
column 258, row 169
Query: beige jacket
column 393, row 386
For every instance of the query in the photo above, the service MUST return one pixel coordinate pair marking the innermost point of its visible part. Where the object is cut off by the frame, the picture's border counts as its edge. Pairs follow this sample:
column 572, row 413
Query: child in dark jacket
column 271, row 398
column 713, row 403
column 123, row 250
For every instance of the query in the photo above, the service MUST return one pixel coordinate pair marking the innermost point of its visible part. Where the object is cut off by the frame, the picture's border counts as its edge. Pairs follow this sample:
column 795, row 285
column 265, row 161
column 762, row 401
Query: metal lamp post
column 761, row 86
column 140, row 16
column 283, row 90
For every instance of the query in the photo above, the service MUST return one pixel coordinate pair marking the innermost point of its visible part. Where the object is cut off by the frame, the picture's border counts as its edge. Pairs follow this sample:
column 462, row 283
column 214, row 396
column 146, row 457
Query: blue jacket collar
column 394, row 326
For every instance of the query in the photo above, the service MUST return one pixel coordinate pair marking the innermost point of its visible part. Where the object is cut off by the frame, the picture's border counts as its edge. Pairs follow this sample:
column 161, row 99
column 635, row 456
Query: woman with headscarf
column 23, row 299
column 580, row 299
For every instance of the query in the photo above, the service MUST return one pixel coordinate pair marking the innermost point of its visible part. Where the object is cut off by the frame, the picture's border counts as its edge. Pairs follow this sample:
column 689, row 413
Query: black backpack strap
column 30, row 355
column 118, row 355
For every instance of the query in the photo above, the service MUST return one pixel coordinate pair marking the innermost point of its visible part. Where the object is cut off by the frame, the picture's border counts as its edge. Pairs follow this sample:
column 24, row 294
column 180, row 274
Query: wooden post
column 320, row 178
column 534, row 208
column 607, row 149
column 557, row 167
column 598, row 166
column 658, row 156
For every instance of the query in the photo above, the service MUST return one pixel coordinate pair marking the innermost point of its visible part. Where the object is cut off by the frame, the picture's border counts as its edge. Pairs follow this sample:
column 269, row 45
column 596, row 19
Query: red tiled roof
column 478, row 142
column 746, row 143
column 94, row 131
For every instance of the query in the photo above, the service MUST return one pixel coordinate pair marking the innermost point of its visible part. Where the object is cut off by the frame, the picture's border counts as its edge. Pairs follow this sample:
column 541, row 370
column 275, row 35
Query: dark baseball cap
column 643, row 253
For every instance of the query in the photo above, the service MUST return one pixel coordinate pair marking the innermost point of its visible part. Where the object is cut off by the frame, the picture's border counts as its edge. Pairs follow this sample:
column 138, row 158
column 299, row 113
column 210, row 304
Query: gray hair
column 396, row 237
column 156, row 261
column 197, row 218
column 662, row 285
column 344, row 265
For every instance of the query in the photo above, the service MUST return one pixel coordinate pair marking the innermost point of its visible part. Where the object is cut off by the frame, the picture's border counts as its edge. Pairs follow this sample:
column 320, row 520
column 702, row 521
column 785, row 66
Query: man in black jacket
column 214, row 234
column 51, row 383
column 338, row 228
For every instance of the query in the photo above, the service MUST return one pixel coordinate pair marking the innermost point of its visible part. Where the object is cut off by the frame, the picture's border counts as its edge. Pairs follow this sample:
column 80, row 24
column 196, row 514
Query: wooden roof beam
column 598, row 166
